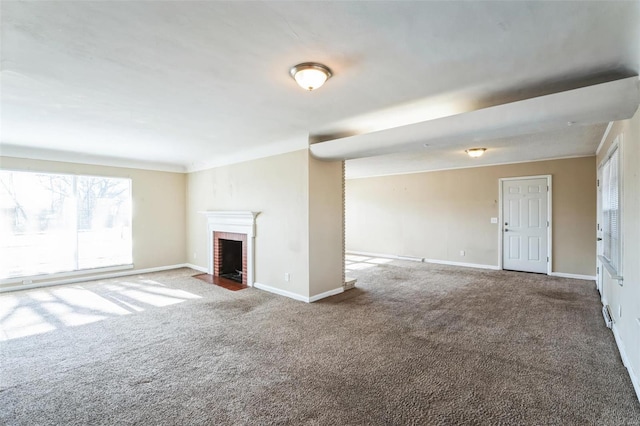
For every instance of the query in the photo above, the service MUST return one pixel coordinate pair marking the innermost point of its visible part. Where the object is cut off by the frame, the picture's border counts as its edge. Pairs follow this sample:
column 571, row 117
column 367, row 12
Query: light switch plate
column 494, row 220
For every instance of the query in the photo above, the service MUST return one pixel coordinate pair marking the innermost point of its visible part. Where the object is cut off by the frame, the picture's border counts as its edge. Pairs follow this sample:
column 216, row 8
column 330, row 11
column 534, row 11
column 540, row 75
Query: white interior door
column 525, row 225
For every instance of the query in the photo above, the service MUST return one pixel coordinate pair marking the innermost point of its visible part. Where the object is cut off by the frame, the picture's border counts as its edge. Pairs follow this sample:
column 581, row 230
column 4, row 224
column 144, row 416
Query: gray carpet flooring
column 412, row 344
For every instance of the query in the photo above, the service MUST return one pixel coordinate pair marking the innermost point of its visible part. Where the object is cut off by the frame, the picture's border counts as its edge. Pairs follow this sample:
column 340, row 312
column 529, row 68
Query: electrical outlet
column 461, row 252
column 287, row 277
column 195, row 255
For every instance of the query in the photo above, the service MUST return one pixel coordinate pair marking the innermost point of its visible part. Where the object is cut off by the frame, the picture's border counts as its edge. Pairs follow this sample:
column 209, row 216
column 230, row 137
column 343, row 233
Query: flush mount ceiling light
column 475, row 152
column 310, row 75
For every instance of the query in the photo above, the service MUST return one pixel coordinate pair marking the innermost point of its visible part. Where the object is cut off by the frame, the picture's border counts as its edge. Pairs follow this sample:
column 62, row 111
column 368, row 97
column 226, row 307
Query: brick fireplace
column 230, row 256
column 230, row 233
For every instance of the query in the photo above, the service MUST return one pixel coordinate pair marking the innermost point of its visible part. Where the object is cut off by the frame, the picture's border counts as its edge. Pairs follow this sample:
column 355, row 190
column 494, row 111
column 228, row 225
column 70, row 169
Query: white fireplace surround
column 239, row 222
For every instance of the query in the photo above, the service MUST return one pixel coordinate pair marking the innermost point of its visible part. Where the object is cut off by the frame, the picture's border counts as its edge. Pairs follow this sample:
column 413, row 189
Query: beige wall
column 326, row 226
column 297, row 233
column 626, row 299
column 435, row 215
column 299, row 228
column 277, row 187
column 158, row 207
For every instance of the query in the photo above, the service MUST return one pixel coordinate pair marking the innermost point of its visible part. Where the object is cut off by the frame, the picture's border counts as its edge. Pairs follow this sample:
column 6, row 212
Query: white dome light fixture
column 475, row 152
column 310, row 75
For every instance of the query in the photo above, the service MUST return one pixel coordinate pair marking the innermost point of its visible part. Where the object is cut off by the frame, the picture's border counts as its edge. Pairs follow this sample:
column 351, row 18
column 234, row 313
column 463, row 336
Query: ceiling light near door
column 310, row 75
column 475, row 152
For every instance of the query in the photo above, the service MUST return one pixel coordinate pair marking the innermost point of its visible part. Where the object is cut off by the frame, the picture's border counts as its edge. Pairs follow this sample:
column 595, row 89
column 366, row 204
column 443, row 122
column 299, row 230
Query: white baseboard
column 574, row 276
column 463, row 264
column 92, row 277
column 625, row 361
column 196, row 267
column 297, row 296
column 385, row 256
column 326, row 294
column 422, row 259
column 281, row 292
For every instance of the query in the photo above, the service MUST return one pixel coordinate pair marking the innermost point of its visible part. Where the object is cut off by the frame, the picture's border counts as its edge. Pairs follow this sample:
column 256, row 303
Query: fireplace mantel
column 239, row 222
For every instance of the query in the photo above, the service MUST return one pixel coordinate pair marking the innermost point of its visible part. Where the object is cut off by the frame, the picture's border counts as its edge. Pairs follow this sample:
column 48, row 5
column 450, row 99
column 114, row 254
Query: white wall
column 626, row 299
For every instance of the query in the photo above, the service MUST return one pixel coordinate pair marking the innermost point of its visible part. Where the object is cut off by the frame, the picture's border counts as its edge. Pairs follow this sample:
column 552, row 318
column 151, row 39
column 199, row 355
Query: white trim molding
column 625, row 361
column 424, row 260
column 326, row 294
column 196, row 267
column 280, row 292
column 384, row 256
column 238, row 222
column 44, row 154
column 296, row 296
column 462, row 264
column 574, row 276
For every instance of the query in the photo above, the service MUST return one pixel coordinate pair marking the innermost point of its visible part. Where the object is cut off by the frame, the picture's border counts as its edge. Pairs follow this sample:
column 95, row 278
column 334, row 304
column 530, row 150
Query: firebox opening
column 231, row 262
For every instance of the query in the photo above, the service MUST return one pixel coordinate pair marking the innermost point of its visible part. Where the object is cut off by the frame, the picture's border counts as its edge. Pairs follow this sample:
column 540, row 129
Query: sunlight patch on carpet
column 75, row 305
column 357, row 263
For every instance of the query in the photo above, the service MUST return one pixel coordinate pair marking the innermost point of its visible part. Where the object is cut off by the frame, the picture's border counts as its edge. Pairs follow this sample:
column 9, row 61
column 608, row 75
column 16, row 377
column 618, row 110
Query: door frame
column 599, row 241
column 549, row 218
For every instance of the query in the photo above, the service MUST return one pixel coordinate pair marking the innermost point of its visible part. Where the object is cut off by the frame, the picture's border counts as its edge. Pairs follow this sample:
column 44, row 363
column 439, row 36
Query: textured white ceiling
column 570, row 142
column 182, row 85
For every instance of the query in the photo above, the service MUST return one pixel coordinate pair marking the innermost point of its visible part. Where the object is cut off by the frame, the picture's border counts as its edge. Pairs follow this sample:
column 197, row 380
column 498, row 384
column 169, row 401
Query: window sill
column 609, row 267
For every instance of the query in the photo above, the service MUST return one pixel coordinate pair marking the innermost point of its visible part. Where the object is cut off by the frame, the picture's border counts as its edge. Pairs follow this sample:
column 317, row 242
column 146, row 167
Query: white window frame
column 27, row 280
column 613, row 266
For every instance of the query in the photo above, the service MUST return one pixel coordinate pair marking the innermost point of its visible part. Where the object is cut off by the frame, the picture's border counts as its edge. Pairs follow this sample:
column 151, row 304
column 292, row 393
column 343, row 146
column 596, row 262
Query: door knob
column 506, row 230
column 598, row 239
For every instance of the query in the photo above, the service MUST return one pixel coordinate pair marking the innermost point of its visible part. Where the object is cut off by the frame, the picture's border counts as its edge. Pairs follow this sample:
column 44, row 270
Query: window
column 611, row 209
column 57, row 223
